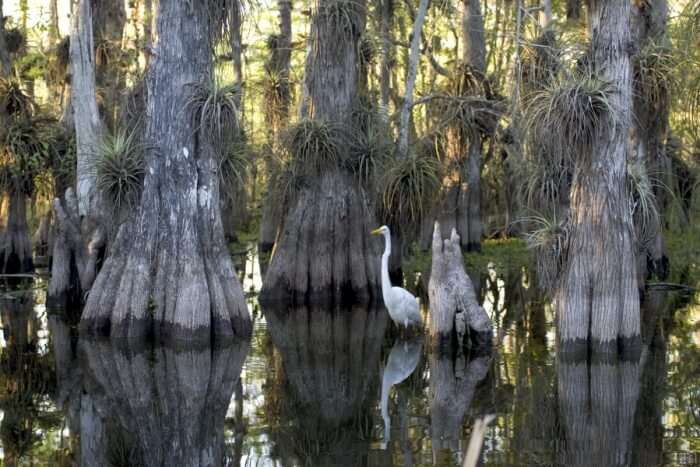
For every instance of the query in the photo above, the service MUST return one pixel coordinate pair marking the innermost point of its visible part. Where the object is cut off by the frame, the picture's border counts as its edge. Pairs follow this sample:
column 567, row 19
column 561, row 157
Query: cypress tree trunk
column 109, row 20
column 573, row 10
column 15, row 244
column 5, row 61
column 650, row 130
column 388, row 59
column 462, row 204
column 324, row 251
column 169, row 271
column 79, row 235
column 596, row 300
column 276, row 117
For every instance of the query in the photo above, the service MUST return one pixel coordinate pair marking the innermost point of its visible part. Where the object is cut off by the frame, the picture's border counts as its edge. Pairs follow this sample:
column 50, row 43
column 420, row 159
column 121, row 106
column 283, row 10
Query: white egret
column 401, row 304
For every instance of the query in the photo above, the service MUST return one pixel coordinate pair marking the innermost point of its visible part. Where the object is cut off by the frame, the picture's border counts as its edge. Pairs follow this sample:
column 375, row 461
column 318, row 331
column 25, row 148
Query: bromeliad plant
column 120, row 168
column 570, row 112
column 214, row 109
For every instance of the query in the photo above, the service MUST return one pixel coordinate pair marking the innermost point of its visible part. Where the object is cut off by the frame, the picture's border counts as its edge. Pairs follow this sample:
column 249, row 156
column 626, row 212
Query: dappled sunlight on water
column 320, row 387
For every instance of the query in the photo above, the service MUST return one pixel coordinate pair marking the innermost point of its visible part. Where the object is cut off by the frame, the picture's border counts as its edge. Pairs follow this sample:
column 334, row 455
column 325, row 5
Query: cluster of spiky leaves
column 540, row 61
column 345, row 16
column 276, row 91
column 409, row 185
column 15, row 102
column 468, row 105
column 119, row 168
column 568, row 115
column 315, row 146
column 233, row 167
column 642, row 199
column 214, row 108
column 26, row 139
column 370, row 144
column 654, row 72
column 548, row 238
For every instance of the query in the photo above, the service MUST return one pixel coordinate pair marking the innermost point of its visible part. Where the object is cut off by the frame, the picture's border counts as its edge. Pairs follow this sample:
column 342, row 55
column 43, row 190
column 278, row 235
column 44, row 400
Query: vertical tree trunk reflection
column 597, row 402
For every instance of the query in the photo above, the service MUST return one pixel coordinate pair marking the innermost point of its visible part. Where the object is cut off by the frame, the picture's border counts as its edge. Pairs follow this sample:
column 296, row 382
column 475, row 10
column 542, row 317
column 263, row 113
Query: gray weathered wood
column 168, row 270
column 454, row 308
column 597, row 300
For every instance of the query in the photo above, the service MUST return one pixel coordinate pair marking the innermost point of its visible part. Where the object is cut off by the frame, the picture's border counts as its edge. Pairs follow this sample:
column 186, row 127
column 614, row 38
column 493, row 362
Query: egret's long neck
column 386, row 283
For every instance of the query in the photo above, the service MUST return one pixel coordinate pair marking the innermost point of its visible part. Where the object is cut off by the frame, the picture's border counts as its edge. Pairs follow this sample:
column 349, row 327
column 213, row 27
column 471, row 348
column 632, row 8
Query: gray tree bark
column 169, row 271
column 323, row 251
column 388, row 58
column 79, row 234
column 278, row 65
column 650, row 131
column 461, row 206
column 596, row 300
column 455, row 313
column 412, row 70
column 15, row 244
column 86, row 115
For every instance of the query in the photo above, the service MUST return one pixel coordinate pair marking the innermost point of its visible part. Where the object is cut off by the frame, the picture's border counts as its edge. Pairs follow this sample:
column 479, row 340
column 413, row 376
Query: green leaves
column 120, row 168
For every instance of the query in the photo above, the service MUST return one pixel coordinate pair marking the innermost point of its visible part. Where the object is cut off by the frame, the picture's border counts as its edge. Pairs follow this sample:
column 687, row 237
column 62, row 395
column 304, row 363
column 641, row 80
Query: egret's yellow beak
column 376, row 231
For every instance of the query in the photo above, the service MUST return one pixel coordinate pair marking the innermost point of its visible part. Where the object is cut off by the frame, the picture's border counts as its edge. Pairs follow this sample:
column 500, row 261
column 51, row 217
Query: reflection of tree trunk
column 452, row 384
column 330, row 361
column 169, row 411
column 597, row 404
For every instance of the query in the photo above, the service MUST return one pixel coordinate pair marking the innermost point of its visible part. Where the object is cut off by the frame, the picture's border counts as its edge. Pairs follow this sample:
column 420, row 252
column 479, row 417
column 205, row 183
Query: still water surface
column 318, row 387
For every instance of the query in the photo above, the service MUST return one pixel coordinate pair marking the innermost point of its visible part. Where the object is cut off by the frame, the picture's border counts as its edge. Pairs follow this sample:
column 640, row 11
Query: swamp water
column 317, row 387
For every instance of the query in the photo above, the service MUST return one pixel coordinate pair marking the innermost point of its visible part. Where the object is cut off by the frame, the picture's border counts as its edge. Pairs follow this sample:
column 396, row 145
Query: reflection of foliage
column 26, row 379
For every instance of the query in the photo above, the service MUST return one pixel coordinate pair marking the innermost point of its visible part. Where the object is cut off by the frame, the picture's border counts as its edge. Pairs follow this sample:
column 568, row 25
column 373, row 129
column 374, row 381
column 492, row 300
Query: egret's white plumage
column 403, row 307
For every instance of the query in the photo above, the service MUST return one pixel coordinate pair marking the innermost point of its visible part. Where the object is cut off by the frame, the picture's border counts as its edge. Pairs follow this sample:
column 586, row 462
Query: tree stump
column 454, row 309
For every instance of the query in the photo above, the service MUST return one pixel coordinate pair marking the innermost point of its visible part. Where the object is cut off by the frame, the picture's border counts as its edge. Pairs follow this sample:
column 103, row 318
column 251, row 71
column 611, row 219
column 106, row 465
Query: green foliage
column 540, row 61
column 654, row 74
column 314, row 146
column 468, row 105
column 642, row 202
column 120, row 168
column 25, row 140
column 214, row 108
column 409, row 186
column 549, row 242
column 233, row 167
column 371, row 145
column 14, row 100
column 568, row 115
column 276, row 91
